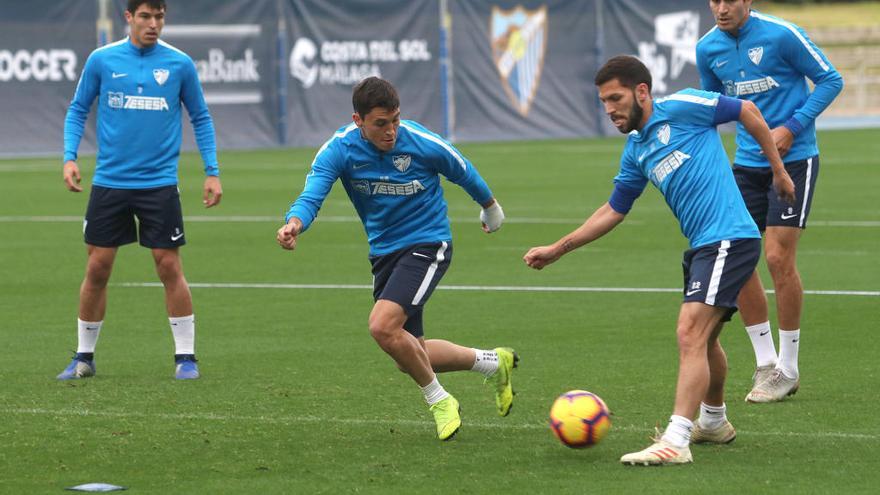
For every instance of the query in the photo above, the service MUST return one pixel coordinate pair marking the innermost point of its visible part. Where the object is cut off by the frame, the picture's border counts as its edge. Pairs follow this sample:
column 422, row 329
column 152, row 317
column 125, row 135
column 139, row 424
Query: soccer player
column 766, row 60
column 673, row 143
column 140, row 83
column 391, row 169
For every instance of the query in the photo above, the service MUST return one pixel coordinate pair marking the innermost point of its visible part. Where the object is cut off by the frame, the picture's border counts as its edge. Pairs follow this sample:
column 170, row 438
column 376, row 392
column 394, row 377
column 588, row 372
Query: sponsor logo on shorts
column 695, row 287
column 177, row 234
column 789, row 214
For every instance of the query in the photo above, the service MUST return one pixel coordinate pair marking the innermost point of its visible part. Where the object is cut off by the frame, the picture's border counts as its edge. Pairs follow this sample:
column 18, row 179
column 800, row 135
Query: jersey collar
column 140, row 51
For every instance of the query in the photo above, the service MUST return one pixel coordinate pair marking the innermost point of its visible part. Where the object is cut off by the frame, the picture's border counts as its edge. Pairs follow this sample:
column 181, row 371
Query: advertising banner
column 333, row 45
column 43, row 45
column 523, row 69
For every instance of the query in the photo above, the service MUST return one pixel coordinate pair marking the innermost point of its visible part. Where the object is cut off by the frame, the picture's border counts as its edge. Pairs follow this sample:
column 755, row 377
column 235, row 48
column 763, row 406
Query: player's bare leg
column 93, row 291
column 781, row 252
column 447, row 356
column 386, row 328
column 178, row 299
column 178, row 302
column 496, row 365
column 697, row 322
column 92, row 306
column 712, row 425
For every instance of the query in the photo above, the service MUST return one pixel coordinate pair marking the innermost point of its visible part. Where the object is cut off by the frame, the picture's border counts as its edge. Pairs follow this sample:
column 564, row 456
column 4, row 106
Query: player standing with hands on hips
column 390, row 169
column 766, row 60
column 673, row 143
column 140, row 83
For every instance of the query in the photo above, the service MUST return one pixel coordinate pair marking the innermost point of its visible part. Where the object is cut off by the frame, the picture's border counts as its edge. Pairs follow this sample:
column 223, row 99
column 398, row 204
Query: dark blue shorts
column 408, row 277
column 756, row 186
column 110, row 217
column 714, row 274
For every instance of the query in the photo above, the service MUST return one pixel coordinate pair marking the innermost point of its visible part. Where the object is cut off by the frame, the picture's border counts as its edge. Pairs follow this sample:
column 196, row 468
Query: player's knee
column 689, row 341
column 168, row 268
column 98, row 272
column 380, row 329
column 780, row 264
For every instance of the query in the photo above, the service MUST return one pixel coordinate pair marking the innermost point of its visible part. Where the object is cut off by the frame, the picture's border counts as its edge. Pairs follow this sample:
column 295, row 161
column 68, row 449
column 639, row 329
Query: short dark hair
column 155, row 4
column 629, row 70
column 374, row 92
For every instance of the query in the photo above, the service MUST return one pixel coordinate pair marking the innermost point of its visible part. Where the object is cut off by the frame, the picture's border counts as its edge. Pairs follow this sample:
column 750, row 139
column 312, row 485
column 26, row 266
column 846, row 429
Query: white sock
column 486, row 362
column 184, row 330
column 678, row 431
column 789, row 340
column 762, row 342
column 434, row 392
column 87, row 335
column 712, row 417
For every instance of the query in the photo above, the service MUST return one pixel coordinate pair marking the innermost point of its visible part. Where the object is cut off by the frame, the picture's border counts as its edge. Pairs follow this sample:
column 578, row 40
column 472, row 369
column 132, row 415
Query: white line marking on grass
column 492, row 288
column 354, row 219
column 277, row 419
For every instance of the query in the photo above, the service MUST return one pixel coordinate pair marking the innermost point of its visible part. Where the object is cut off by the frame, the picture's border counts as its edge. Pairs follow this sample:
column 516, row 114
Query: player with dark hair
column 140, row 83
column 673, row 143
column 390, row 169
column 766, row 60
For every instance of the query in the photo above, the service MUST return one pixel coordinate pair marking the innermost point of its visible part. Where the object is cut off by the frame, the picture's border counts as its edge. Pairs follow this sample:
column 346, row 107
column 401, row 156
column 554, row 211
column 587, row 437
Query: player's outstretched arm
column 213, row 191
column 288, row 233
column 602, row 221
column 751, row 118
column 491, row 216
column 72, row 177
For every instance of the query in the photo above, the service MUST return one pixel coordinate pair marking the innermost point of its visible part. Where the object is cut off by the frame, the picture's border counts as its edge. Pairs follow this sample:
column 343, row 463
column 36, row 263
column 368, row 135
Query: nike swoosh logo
column 117, row 76
column 794, row 340
column 362, row 165
column 176, row 237
column 420, row 255
column 642, row 156
column 786, row 217
column 720, row 63
column 692, row 292
column 764, row 333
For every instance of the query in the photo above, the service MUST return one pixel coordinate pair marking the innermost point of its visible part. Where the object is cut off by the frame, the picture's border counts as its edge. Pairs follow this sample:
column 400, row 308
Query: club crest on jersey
column 518, row 40
column 401, row 162
column 161, row 75
column 755, row 54
column 663, row 134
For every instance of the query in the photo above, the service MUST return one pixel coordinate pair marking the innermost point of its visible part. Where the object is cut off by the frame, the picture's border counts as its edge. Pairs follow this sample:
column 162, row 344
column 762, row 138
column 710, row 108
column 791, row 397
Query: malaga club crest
column 161, row 75
column 519, row 41
column 755, row 54
column 401, row 162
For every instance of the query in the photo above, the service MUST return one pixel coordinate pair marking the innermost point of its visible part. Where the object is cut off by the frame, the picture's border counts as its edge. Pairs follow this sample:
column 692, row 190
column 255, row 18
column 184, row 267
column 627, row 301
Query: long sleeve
column 200, row 117
column 78, row 112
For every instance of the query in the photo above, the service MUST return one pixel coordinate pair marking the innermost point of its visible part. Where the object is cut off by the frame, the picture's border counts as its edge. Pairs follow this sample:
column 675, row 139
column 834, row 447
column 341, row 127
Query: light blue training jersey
column 767, row 63
column 139, row 91
column 680, row 151
column 397, row 194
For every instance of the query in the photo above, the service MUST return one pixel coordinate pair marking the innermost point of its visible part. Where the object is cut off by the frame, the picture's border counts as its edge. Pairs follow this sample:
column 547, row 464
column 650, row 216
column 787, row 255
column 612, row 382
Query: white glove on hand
column 492, row 217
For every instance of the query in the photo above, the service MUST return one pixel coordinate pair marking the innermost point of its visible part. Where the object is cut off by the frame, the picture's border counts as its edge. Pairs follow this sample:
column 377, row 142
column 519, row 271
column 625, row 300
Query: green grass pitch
column 296, row 397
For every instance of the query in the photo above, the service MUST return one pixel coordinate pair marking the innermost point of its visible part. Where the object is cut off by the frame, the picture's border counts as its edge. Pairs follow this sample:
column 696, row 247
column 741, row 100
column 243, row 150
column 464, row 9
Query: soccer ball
column 579, row 419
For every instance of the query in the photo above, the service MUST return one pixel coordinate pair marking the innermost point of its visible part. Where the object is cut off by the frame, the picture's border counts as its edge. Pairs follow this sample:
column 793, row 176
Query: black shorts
column 714, row 274
column 408, row 277
column 110, row 217
column 756, row 186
